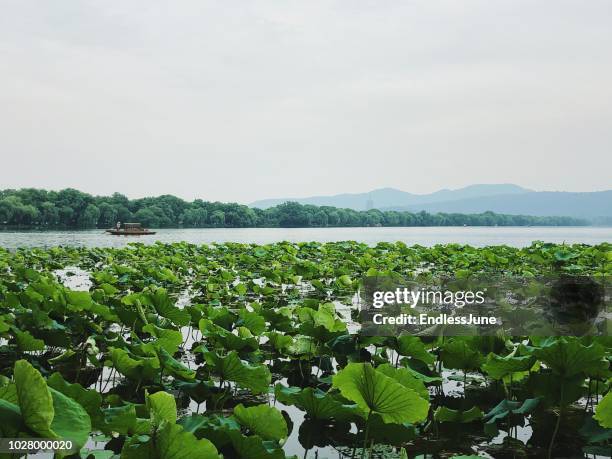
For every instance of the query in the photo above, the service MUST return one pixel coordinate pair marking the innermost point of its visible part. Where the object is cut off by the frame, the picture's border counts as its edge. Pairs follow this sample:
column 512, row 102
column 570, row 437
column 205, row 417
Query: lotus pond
column 254, row 351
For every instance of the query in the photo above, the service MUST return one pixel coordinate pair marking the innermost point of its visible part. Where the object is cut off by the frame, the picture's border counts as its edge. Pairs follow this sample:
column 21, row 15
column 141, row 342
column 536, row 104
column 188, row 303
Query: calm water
column 426, row 236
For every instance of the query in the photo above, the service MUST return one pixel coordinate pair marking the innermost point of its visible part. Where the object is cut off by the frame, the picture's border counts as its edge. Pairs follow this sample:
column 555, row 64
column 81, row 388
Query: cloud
column 247, row 100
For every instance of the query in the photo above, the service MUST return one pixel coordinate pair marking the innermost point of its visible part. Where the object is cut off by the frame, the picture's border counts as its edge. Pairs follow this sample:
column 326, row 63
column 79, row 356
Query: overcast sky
column 242, row 100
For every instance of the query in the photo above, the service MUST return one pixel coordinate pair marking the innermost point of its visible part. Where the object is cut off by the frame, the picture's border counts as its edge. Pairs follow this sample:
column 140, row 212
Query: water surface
column 426, row 236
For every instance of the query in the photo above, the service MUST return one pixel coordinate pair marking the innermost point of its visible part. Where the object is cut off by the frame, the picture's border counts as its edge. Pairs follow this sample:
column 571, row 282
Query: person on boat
column 118, row 225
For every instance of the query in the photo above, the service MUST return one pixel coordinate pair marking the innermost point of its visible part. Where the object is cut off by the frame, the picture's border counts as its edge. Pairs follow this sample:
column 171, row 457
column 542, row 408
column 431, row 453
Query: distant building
column 369, row 203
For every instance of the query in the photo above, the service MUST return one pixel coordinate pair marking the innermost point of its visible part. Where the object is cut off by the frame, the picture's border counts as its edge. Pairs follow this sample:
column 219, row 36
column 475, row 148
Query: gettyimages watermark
column 486, row 305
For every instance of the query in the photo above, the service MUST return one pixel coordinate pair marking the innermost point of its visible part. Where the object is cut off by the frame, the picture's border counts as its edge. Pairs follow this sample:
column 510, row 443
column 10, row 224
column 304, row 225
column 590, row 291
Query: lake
column 426, row 236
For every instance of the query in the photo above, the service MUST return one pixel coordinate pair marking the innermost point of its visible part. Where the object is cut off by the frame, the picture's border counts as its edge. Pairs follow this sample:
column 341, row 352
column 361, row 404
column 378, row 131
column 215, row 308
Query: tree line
column 70, row 208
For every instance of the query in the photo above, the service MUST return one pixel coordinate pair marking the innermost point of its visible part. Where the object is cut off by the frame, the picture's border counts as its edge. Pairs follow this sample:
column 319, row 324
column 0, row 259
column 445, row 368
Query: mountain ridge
column 388, row 197
column 499, row 198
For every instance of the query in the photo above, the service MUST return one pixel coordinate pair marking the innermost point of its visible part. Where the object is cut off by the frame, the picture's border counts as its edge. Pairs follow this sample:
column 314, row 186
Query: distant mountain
column 391, row 197
column 502, row 198
column 592, row 205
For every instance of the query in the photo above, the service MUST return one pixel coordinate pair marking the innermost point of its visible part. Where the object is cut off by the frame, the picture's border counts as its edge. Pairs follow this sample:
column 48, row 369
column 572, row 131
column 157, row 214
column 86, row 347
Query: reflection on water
column 426, row 236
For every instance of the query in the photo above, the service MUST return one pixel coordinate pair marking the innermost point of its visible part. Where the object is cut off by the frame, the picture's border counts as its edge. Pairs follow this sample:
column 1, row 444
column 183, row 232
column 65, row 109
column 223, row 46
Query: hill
column 541, row 203
column 501, row 198
column 392, row 197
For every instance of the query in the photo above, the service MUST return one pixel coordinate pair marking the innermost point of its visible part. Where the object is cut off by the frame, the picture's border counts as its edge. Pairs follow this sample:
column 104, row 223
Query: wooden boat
column 130, row 229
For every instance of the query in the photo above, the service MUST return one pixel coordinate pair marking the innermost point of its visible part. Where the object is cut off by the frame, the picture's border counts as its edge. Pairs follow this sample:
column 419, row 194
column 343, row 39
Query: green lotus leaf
column 71, row 421
column 121, row 419
column 170, row 441
column 35, row 399
column 230, row 341
column 279, row 341
column 199, row 391
column 505, row 408
column 63, row 357
column 460, row 355
column 444, row 414
column 11, row 421
column 567, row 357
column 391, row 434
column 253, row 321
column 4, row 327
column 412, row 346
column 253, row 447
column 108, row 288
column 603, row 412
column 78, row 301
column 263, row 420
column 302, row 345
column 47, row 411
column 97, row 454
column 173, row 442
column 162, row 407
column 240, row 289
column 324, row 316
column 231, row 368
column 165, row 307
column 161, row 302
column 143, row 368
column 173, row 367
column 548, row 387
column 91, row 400
column 8, row 392
column 316, row 403
column 498, row 367
column 374, row 392
column 26, row 342
column 405, row 378
column 435, row 380
column 593, row 432
column 170, row 340
column 220, row 316
column 215, row 428
column 345, row 280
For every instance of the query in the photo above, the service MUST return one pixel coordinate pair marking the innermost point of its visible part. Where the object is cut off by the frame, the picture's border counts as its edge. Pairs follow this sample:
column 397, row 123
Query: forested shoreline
column 73, row 209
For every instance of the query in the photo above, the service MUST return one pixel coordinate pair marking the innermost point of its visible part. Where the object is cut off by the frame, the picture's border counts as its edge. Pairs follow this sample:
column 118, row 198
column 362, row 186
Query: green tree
column 89, row 217
column 108, row 215
column 147, row 217
column 217, row 218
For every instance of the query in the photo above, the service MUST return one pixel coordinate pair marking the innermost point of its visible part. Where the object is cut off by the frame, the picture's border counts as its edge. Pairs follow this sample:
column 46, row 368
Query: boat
column 129, row 229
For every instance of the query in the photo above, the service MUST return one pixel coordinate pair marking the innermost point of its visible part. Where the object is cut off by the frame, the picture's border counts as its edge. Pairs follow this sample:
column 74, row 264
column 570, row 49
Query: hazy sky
column 241, row 100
